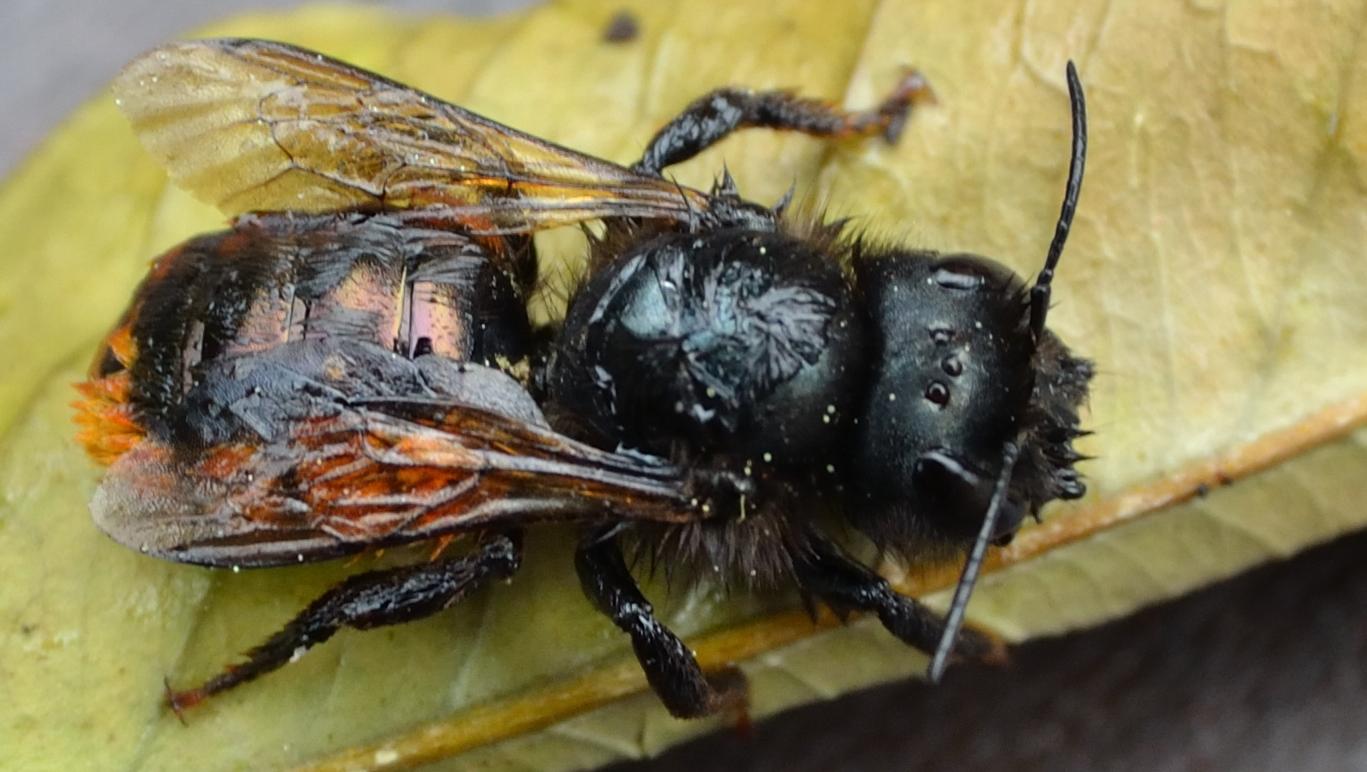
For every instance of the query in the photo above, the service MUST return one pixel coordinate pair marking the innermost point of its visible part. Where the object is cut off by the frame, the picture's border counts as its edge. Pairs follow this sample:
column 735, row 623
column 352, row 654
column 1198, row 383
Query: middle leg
column 668, row 663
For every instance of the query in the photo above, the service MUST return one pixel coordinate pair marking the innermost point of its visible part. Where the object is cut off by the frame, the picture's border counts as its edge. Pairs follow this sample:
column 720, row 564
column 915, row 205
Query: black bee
column 351, row 365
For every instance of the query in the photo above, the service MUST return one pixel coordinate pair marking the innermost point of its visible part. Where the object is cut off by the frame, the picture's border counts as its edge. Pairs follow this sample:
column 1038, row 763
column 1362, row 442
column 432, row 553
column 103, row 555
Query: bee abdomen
column 275, row 281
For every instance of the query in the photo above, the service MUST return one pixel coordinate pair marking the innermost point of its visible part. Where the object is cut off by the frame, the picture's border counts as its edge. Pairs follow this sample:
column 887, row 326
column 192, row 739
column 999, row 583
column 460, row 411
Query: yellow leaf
column 1215, row 273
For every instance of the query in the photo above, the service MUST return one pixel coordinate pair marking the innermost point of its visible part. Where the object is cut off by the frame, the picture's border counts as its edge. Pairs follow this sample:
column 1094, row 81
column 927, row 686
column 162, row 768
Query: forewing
column 367, row 477
column 251, row 125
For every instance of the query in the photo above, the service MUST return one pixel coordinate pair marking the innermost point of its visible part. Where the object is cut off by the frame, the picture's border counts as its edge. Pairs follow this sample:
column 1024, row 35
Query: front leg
column 668, row 663
column 708, row 120
column 826, row 572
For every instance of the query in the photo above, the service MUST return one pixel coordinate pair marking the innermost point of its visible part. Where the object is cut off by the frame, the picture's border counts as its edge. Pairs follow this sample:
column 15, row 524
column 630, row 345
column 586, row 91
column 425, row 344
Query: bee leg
column 364, row 601
column 668, row 663
column 826, row 572
column 710, row 119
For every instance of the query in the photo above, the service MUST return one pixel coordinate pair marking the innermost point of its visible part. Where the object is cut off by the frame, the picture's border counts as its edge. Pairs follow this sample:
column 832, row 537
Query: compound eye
column 964, row 281
column 958, row 496
column 937, row 394
column 941, row 476
column 969, row 273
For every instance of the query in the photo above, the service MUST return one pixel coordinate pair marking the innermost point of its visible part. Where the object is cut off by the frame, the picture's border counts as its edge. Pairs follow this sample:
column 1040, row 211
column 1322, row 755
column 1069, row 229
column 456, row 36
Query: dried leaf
column 1215, row 273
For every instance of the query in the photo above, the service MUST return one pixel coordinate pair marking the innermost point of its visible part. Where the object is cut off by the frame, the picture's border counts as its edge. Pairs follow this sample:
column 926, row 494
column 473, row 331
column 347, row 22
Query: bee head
column 961, row 375
column 973, row 404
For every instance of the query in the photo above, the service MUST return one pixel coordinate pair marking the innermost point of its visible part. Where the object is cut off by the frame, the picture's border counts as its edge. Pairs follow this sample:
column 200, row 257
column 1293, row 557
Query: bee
column 350, row 365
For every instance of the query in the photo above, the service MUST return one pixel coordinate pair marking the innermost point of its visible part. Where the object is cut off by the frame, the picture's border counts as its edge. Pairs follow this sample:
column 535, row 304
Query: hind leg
column 373, row 599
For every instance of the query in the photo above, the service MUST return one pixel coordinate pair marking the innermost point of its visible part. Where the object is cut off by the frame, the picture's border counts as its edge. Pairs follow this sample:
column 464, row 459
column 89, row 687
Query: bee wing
column 251, row 125
column 390, row 472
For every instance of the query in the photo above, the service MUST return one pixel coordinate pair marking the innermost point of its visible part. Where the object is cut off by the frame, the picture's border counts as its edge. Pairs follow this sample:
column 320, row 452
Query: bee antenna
column 973, row 565
column 1039, row 294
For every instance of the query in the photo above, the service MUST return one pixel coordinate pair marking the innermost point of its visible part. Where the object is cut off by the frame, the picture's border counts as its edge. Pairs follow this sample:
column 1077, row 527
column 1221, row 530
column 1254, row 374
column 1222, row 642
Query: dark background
column 58, row 53
column 1265, row 672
